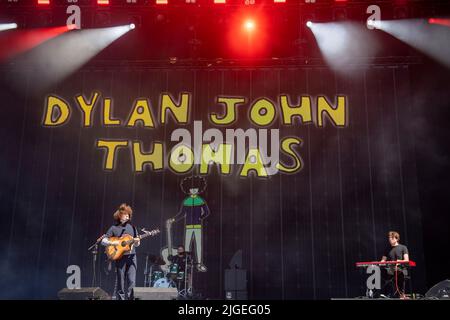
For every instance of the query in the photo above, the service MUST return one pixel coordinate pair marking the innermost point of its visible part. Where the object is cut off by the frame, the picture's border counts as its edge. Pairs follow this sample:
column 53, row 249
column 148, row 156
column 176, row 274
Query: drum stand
column 187, row 291
column 148, row 272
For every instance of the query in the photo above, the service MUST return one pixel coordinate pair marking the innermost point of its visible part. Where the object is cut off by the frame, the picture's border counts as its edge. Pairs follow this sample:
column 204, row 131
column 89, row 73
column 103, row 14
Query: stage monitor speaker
column 89, row 293
column 148, row 293
column 439, row 291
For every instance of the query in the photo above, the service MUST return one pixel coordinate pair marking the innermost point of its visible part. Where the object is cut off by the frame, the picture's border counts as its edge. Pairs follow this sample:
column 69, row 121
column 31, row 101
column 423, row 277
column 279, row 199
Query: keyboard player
column 395, row 277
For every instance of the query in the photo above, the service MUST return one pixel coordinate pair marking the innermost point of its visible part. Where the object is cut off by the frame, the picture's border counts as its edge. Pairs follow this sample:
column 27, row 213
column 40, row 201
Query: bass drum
column 173, row 271
column 164, row 283
column 156, row 275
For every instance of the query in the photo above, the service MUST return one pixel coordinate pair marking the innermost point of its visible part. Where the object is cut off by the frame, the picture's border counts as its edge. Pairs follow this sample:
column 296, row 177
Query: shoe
column 201, row 268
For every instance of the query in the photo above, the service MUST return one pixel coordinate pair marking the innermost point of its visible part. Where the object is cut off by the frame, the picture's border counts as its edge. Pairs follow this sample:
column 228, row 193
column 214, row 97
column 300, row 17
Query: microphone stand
column 146, row 273
column 94, row 251
column 188, row 283
column 185, row 291
column 191, row 280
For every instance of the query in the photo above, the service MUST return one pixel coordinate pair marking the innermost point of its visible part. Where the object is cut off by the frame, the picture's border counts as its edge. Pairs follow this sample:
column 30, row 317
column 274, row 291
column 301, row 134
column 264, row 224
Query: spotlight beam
column 341, row 42
column 58, row 58
column 432, row 40
column 19, row 41
column 7, row 26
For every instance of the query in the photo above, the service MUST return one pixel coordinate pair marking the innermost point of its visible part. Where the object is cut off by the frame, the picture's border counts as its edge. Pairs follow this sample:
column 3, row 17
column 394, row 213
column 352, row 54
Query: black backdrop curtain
column 300, row 234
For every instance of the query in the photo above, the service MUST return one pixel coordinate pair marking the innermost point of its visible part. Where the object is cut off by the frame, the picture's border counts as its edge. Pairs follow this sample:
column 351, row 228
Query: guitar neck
column 145, row 235
column 132, row 241
column 169, row 235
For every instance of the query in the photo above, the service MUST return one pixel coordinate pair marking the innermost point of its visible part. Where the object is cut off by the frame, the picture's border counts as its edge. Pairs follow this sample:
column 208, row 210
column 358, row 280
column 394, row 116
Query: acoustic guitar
column 115, row 252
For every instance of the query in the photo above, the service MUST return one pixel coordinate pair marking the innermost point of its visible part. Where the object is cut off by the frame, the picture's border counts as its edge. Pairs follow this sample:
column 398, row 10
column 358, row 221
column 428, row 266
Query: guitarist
column 125, row 266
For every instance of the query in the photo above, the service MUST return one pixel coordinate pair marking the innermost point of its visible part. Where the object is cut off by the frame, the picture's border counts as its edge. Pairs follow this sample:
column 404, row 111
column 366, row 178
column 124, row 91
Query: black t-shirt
column 396, row 253
column 180, row 261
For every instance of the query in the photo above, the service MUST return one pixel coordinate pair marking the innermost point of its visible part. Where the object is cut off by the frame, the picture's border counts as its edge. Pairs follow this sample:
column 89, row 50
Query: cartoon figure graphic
column 194, row 210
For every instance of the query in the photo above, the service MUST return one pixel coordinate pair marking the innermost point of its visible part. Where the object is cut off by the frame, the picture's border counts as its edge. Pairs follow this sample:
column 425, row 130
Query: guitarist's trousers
column 126, row 277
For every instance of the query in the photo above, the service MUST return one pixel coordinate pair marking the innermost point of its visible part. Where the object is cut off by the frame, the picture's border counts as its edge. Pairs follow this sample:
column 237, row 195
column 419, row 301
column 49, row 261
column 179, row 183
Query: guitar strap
column 134, row 231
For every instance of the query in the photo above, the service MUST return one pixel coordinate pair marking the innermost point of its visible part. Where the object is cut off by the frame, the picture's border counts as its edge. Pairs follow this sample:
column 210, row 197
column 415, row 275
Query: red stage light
column 248, row 33
column 249, row 25
column 103, row 2
column 439, row 21
column 43, row 2
column 14, row 43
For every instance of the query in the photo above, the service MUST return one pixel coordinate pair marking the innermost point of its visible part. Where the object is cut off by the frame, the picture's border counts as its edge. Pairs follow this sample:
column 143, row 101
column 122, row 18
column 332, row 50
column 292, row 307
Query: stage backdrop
column 300, row 234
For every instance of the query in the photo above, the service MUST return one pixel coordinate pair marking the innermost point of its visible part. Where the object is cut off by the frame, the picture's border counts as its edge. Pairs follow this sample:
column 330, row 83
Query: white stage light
column 7, row 26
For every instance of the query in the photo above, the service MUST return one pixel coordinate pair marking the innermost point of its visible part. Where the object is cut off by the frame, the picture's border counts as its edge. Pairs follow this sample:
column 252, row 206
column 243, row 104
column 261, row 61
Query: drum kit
column 175, row 276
